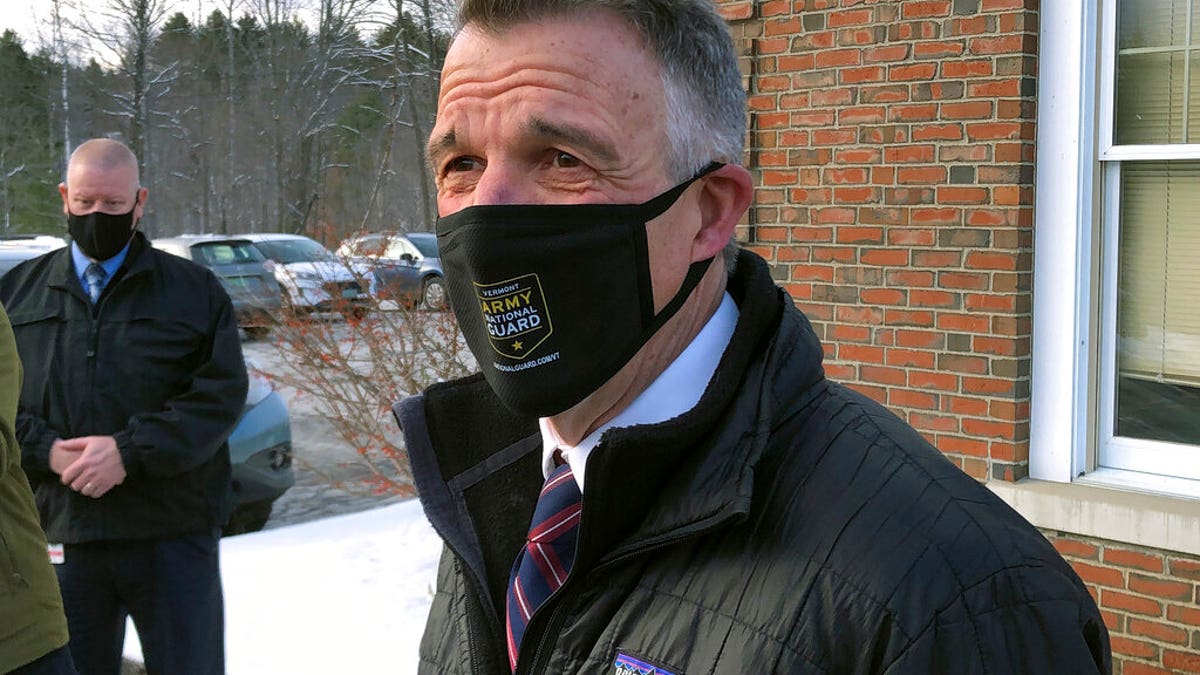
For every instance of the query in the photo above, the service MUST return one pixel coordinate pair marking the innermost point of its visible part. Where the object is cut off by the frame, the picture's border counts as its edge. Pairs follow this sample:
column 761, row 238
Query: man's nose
column 498, row 184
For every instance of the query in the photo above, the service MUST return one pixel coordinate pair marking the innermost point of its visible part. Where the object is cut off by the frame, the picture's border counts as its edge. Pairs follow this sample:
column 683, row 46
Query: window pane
column 1158, row 321
column 1151, row 23
column 1150, row 94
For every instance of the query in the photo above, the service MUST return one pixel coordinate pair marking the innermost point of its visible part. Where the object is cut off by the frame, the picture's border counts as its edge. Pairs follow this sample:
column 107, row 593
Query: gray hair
column 106, row 154
column 705, row 99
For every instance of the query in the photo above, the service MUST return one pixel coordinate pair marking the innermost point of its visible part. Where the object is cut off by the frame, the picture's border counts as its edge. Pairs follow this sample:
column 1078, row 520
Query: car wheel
column 433, row 294
column 249, row 517
column 257, row 332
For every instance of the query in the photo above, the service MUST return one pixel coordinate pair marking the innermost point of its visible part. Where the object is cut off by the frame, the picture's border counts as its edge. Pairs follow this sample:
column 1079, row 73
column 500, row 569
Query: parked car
column 260, row 449
column 240, row 266
column 15, row 248
column 260, row 446
column 406, row 265
column 312, row 278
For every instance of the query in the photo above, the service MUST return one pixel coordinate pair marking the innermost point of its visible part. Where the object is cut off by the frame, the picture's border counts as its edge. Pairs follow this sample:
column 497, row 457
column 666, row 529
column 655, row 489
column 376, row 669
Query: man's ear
column 725, row 195
column 142, row 193
column 62, row 190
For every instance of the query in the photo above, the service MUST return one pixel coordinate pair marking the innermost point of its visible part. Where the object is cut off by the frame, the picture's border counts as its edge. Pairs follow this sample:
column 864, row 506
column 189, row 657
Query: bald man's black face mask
column 101, row 235
column 555, row 299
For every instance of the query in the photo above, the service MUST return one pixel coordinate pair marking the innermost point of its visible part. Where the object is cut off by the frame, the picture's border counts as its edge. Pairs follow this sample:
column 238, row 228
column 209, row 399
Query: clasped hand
column 89, row 465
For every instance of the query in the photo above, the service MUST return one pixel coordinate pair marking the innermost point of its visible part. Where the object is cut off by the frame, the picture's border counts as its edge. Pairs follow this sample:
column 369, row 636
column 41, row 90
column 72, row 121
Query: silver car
column 312, row 278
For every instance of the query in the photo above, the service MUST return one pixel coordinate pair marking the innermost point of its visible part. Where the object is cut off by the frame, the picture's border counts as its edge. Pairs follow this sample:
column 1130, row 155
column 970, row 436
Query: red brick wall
column 1150, row 600
column 893, row 147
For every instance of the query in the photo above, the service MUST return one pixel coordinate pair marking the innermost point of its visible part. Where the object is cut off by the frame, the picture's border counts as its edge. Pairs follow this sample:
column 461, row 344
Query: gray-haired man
column 711, row 504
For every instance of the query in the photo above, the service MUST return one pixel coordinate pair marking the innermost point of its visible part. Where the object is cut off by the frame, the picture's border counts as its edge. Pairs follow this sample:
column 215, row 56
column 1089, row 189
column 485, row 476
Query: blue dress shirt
column 110, row 266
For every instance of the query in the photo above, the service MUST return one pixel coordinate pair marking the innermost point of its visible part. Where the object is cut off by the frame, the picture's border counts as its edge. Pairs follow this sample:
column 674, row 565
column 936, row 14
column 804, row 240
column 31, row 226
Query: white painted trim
column 1124, row 516
column 1151, row 457
column 1062, row 266
column 1128, row 153
column 1106, row 400
column 1144, row 482
column 1106, row 101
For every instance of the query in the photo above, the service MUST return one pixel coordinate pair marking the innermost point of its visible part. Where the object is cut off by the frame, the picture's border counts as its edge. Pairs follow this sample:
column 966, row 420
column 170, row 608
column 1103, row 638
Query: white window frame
column 1065, row 493
column 1134, row 455
column 1073, row 369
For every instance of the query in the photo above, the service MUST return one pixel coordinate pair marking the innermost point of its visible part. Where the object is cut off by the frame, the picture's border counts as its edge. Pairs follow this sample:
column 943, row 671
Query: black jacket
column 784, row 525
column 157, row 364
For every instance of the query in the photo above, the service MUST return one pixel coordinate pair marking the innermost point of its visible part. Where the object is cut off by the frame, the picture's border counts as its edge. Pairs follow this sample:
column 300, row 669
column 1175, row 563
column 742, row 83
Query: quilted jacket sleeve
column 1043, row 633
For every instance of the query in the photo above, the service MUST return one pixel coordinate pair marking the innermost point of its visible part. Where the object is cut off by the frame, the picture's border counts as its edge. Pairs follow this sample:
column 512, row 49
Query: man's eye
column 459, row 164
column 565, row 160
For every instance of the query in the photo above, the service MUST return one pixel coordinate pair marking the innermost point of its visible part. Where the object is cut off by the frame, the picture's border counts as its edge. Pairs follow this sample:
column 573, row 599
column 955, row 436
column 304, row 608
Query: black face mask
column 555, row 299
column 101, row 235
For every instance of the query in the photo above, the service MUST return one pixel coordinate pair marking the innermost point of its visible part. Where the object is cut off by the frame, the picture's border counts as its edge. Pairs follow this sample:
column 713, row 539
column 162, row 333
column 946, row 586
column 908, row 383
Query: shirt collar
column 675, row 391
column 110, row 266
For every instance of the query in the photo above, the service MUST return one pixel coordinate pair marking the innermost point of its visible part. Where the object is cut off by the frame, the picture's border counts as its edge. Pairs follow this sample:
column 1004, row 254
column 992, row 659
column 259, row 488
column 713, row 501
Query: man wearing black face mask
column 133, row 380
column 651, row 473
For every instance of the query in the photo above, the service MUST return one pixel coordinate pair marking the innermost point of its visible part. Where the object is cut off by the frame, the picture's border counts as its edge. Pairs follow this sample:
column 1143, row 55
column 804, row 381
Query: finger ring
column 87, row 488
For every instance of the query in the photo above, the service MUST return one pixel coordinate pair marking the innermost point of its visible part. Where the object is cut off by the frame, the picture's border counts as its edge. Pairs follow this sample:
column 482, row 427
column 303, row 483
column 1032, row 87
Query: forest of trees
column 263, row 123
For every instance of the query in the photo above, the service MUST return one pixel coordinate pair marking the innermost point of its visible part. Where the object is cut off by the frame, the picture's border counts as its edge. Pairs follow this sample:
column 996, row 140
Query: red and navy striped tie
column 542, row 566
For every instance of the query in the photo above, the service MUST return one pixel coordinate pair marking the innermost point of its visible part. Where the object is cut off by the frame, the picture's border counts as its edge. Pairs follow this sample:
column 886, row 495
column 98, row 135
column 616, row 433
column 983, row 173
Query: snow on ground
column 347, row 594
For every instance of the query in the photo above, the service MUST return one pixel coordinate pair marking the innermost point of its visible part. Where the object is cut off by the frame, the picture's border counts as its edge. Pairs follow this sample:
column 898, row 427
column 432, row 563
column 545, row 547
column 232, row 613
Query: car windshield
column 226, row 253
column 426, row 243
column 288, row 251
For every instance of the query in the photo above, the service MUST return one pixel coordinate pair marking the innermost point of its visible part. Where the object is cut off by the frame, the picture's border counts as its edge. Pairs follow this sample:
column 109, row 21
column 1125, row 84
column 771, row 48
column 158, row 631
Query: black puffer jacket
column 157, row 364
column 784, row 525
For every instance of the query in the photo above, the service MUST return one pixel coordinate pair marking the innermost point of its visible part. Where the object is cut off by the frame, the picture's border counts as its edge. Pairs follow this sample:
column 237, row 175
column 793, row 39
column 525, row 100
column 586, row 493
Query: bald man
column 133, row 380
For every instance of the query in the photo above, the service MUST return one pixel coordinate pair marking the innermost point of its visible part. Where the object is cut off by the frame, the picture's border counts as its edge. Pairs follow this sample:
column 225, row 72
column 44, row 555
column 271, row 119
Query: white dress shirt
column 675, row 391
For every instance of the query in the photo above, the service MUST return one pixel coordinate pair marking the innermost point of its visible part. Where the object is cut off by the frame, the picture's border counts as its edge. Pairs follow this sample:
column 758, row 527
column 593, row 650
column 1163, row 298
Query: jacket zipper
column 484, row 602
column 472, row 649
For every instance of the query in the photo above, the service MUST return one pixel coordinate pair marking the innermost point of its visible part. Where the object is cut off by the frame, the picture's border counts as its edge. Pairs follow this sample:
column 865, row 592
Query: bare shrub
column 354, row 365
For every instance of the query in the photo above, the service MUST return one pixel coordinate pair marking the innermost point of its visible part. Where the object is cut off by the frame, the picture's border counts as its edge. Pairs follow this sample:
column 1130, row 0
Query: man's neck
column 573, row 425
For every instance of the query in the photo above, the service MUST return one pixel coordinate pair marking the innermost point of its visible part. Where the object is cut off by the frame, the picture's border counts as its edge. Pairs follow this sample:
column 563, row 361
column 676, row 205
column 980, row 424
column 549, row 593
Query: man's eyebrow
column 575, row 136
column 439, row 146
column 536, row 127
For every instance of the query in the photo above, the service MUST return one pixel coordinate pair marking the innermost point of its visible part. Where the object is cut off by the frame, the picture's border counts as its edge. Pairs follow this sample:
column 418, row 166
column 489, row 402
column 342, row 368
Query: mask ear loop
column 696, row 270
column 695, row 273
column 657, row 206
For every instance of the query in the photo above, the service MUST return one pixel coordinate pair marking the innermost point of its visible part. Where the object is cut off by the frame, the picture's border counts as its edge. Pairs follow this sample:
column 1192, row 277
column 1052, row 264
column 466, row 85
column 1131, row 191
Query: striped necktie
column 94, row 277
column 542, row 566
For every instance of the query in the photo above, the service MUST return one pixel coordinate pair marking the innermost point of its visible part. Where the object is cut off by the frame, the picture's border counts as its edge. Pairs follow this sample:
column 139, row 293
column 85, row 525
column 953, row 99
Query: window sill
column 1127, row 515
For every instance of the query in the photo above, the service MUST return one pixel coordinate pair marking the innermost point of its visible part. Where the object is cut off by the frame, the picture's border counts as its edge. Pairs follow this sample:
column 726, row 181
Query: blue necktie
column 542, row 566
column 94, row 277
